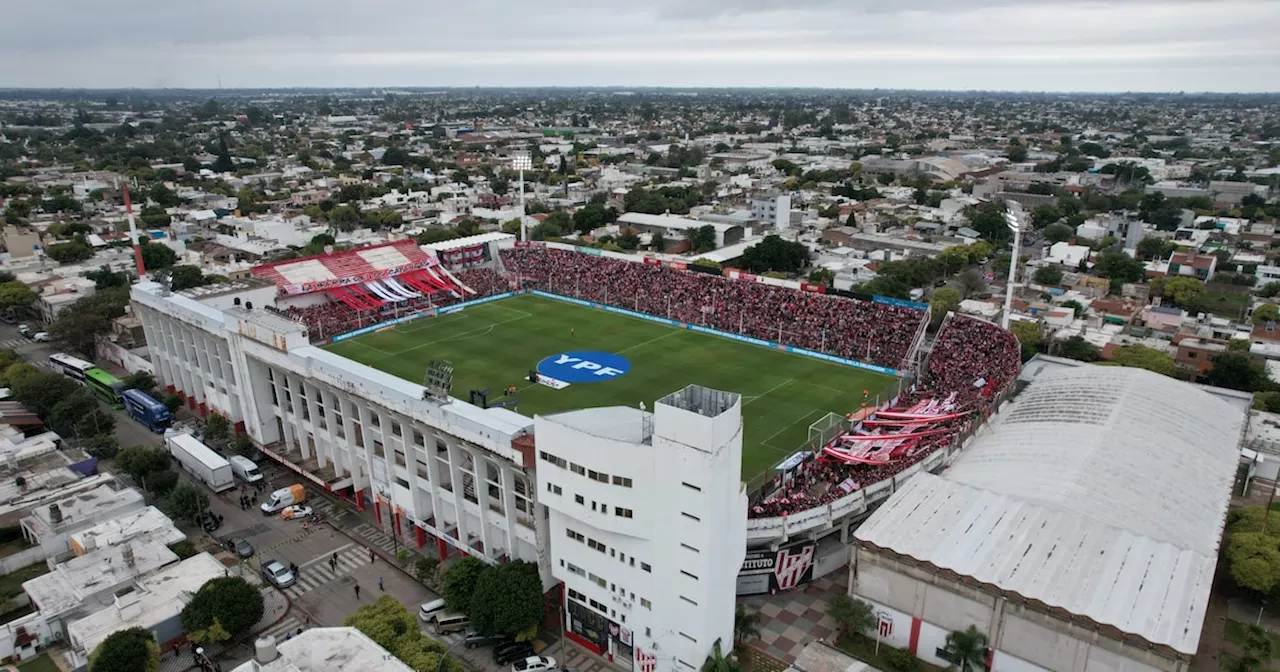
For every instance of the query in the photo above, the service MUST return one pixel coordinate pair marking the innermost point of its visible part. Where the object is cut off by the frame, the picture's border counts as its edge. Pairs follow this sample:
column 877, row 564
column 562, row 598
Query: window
column 622, row 480
column 578, row 499
column 696, row 604
column 599, row 607
column 553, row 489
column 595, row 545
column 633, row 561
column 691, row 486
column 576, row 536
column 622, row 557
column 695, row 578
column 621, row 512
column 574, row 569
column 577, row 596
column 690, row 548
column 599, row 581
column 548, row 457
column 597, row 476
column 647, row 605
column 593, row 505
column 690, row 516
column 1190, row 355
column 577, row 469
column 613, row 553
column 645, row 566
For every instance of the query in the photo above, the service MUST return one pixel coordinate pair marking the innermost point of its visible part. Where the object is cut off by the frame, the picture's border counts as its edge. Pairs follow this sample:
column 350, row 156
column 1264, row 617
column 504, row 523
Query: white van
column 429, row 610
column 284, row 497
column 245, row 469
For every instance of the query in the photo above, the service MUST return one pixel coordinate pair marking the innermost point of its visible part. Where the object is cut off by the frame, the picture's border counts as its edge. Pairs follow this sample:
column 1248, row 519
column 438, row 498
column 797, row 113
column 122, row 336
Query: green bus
column 105, row 387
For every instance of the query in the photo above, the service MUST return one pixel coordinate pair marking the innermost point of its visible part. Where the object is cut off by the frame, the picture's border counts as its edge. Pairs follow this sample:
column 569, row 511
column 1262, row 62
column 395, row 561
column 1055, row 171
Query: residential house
column 1190, row 264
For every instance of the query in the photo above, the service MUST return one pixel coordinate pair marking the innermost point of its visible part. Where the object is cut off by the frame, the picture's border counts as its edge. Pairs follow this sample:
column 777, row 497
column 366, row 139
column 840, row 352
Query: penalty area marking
column 465, row 333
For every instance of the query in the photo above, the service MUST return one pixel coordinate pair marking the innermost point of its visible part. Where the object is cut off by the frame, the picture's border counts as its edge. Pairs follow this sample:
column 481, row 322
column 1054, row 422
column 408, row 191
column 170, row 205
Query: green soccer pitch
column 495, row 345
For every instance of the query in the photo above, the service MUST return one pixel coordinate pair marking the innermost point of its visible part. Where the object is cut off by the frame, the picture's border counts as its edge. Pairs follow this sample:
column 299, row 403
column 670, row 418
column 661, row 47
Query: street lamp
column 1012, row 219
column 522, row 162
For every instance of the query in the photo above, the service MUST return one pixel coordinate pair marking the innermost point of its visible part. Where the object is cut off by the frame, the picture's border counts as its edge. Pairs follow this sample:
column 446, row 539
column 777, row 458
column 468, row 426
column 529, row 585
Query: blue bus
column 145, row 409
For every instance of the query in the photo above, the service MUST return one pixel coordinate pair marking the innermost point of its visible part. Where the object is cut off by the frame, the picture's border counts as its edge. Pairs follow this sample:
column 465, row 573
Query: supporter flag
column 647, row 662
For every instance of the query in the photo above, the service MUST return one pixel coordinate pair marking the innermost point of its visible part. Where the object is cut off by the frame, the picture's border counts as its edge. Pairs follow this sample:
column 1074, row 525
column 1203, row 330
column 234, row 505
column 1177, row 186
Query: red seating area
column 351, row 307
column 860, row 330
column 967, row 351
column 343, row 265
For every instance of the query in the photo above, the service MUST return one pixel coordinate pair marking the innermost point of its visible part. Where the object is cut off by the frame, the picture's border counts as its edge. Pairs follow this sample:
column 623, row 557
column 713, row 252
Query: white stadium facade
column 643, row 529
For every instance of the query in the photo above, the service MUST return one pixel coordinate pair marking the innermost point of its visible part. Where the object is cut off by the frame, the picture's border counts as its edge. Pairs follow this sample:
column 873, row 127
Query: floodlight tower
column 133, row 234
column 1013, row 218
column 522, row 162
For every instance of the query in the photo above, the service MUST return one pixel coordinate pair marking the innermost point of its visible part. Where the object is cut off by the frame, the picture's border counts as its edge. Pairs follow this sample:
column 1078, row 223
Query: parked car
column 41, row 337
column 534, row 664
column 275, row 573
column 474, row 639
column 25, row 330
column 209, row 521
column 240, row 547
column 510, row 653
column 296, row 512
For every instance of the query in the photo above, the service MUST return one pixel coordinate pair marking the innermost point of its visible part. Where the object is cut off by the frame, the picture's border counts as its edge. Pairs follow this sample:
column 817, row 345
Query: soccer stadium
column 406, row 379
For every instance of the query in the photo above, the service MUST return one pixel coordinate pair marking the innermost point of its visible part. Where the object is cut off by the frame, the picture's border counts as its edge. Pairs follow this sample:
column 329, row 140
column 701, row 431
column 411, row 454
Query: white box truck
column 201, row 461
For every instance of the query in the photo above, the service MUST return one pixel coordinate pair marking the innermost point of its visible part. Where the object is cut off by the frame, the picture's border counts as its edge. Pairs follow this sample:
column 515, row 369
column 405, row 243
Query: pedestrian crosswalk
column 377, row 538
column 12, row 343
column 317, row 572
column 286, row 628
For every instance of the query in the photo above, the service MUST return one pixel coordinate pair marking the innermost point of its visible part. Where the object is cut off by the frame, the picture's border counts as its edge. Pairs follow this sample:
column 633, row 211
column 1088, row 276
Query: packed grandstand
column 970, row 361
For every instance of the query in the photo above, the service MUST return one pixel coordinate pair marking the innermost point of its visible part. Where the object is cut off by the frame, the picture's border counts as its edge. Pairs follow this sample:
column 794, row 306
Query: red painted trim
column 915, row 636
column 991, row 658
column 377, row 511
column 583, row 642
column 419, row 535
column 191, row 403
column 171, row 389
column 204, row 410
column 444, row 549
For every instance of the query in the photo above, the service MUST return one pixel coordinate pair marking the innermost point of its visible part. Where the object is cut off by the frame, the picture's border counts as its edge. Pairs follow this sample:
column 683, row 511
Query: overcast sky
column 1121, row 45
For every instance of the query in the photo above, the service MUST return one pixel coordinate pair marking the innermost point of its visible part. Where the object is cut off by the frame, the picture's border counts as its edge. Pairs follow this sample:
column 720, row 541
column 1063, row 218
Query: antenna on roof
column 439, row 380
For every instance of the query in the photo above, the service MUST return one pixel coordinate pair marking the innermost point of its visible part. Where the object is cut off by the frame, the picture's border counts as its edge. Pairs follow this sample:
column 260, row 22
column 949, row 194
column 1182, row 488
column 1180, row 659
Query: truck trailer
column 201, row 461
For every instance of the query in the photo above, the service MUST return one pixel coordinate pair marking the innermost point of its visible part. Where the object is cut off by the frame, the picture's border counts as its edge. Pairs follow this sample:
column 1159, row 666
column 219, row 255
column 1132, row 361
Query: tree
column 1263, row 314
column 141, row 381
column 42, row 391
column 718, row 662
column 14, row 294
column 822, row 276
column 79, row 415
column 1057, row 233
column 141, row 461
column 102, row 446
column 589, row 218
column 79, row 331
column 629, row 241
column 156, row 256
column 1142, row 357
column 1048, row 275
column 659, row 243
column 1028, row 335
column 216, row 429
column 458, row 583
column 1186, row 293
column 129, row 650
column 971, row 282
column 1044, row 215
column 1236, row 371
column 388, row 623
column 1269, row 290
column 187, row 501
column 69, row 253
column 426, row 567
column 104, row 277
column 775, row 254
column 242, row 445
column 966, row 650
column 230, row 601
column 1115, row 264
column 508, row 599
column 1259, row 649
column 1151, row 247
column 435, row 235
column 852, row 616
column 942, row 301
column 746, row 624
column 1253, row 549
column 186, row 277
column 163, row 196
column 702, row 238
column 1016, row 153
column 1079, row 349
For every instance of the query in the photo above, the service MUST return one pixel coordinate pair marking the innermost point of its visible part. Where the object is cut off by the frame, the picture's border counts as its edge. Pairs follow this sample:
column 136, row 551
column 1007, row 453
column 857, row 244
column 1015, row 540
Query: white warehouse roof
column 1101, row 490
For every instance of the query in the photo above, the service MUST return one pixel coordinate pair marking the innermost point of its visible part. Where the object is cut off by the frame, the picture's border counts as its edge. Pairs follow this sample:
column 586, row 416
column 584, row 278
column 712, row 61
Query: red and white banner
column 816, row 289
column 646, row 662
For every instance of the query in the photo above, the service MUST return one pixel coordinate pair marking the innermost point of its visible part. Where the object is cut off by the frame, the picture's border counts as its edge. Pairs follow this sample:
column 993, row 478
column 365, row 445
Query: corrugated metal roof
column 1101, row 490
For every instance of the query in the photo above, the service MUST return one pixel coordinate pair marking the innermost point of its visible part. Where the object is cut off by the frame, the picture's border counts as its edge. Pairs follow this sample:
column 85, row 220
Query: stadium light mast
column 133, row 234
column 1012, row 219
column 522, row 162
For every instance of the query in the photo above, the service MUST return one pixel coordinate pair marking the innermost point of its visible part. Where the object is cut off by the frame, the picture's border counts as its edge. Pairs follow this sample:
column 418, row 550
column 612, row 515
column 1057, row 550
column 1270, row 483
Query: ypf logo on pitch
column 584, row 366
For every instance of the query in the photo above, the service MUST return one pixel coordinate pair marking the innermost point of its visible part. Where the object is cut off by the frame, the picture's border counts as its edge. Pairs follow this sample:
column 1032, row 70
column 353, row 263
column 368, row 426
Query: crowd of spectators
column 971, row 359
column 328, row 319
column 868, row 332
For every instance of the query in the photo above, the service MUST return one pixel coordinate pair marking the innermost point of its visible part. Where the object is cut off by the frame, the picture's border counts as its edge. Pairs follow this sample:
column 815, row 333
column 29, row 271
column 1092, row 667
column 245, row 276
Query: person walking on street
column 380, row 584
column 357, row 591
column 372, row 557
